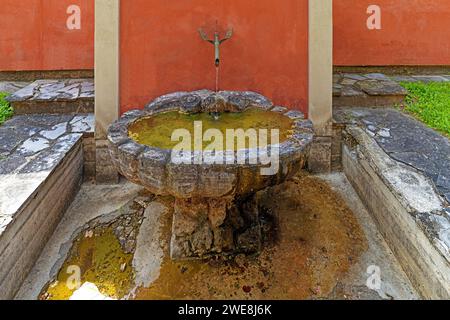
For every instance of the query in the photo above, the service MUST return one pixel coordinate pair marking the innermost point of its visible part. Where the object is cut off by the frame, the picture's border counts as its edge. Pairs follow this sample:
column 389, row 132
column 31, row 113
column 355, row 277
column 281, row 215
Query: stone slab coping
column 365, row 85
column 412, row 160
column 405, row 140
column 55, row 90
column 377, row 84
column 12, row 86
column 31, row 147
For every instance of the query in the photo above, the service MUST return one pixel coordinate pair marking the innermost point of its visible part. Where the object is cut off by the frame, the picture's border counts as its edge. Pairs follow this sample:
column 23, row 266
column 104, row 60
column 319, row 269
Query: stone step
column 63, row 96
column 366, row 90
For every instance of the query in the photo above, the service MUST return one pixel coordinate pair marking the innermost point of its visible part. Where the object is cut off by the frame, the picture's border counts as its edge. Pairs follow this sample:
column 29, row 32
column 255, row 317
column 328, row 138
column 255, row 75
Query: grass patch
column 430, row 103
column 6, row 110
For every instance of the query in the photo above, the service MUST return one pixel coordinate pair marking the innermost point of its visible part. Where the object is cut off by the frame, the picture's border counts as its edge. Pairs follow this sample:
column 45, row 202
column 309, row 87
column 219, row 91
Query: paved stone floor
column 323, row 247
column 30, row 147
column 406, row 140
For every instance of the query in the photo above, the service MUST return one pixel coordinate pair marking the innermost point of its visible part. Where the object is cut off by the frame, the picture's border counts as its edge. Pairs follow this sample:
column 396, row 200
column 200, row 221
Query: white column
column 107, row 102
column 107, row 27
column 320, row 64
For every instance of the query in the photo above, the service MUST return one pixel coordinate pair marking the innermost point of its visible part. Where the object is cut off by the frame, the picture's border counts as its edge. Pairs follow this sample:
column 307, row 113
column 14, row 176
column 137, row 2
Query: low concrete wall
column 369, row 170
column 24, row 238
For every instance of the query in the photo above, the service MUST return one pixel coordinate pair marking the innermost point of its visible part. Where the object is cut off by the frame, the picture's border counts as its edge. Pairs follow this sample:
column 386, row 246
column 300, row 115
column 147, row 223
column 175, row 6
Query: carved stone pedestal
column 204, row 227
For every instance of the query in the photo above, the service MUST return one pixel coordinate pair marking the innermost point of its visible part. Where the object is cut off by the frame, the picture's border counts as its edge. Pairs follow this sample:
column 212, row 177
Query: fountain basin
column 214, row 212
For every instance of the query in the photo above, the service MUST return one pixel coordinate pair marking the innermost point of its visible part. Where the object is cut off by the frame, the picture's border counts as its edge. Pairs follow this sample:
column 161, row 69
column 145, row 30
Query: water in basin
column 156, row 131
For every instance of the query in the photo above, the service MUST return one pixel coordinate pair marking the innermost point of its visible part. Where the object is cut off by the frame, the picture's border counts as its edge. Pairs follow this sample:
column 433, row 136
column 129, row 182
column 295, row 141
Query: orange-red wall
column 414, row 32
column 34, row 36
column 161, row 50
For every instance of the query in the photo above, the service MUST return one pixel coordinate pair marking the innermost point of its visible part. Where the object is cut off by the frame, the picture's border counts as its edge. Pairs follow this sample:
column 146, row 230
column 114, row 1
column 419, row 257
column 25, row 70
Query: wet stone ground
column 315, row 248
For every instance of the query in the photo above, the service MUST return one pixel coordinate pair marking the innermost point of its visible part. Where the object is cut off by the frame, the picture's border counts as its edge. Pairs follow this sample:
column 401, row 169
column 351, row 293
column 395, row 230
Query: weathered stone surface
column 82, row 123
column 381, row 87
column 12, row 86
column 403, row 79
column 320, row 155
column 29, row 139
column 406, row 140
column 374, row 89
column 337, row 90
column 202, row 180
column 364, row 90
column 152, row 169
column 106, row 171
column 279, row 109
column 206, row 216
column 55, row 132
column 430, row 78
column 55, row 96
column 351, row 91
column 407, row 209
column 31, row 147
column 204, row 227
column 352, row 76
column 376, row 76
column 39, row 177
column 55, row 89
column 295, row 115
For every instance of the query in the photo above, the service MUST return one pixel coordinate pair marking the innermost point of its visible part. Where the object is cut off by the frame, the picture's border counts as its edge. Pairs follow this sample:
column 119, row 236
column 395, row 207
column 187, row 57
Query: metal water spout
column 217, row 41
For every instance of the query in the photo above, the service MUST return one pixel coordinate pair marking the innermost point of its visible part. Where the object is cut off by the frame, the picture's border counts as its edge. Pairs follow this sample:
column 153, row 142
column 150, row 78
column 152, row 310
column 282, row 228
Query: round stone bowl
column 210, row 188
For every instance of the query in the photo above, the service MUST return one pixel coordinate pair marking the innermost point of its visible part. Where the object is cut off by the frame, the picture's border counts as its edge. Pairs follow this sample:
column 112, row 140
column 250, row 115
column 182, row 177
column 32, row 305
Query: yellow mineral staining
column 156, row 131
column 318, row 241
column 98, row 256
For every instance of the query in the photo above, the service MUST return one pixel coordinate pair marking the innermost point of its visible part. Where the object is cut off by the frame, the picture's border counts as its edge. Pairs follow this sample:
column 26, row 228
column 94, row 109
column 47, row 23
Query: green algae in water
column 156, row 131
column 100, row 259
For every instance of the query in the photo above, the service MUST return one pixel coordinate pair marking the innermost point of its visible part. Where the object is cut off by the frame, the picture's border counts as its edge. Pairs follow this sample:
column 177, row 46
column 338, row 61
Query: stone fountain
column 215, row 211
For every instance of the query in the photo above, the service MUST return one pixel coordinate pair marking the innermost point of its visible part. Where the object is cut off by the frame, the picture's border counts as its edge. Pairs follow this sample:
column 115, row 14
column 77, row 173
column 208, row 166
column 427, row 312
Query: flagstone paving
column 375, row 89
column 34, row 144
column 12, row 86
column 55, row 96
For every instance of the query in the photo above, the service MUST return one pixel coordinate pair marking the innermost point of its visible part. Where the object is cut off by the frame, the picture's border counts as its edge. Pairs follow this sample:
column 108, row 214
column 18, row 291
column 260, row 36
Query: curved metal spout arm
column 216, row 42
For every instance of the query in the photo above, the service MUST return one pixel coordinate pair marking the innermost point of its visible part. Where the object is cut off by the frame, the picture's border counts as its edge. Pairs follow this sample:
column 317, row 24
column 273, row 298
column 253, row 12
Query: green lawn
column 5, row 109
column 430, row 103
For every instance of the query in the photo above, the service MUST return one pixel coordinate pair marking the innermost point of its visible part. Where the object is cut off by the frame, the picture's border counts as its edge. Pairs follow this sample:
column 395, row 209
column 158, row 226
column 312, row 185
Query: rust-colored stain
column 318, row 241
